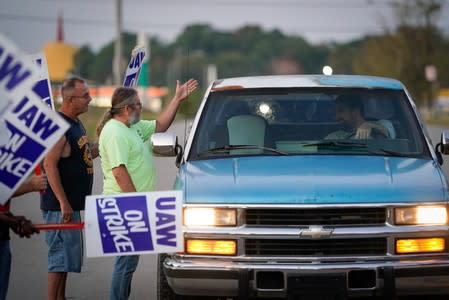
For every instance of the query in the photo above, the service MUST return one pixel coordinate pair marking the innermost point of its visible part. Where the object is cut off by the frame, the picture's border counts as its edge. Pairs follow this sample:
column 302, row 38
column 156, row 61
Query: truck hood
column 311, row 180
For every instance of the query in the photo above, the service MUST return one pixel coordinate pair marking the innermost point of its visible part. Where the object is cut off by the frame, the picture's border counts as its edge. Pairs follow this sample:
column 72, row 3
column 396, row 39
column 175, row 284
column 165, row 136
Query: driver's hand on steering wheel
column 364, row 131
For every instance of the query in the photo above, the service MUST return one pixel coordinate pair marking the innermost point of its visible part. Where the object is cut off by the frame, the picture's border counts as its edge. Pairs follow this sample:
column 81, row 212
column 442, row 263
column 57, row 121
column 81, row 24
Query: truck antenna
column 185, row 118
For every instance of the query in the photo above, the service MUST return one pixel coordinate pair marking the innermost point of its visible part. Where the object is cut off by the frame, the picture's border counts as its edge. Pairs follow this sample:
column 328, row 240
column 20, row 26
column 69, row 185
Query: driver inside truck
column 349, row 113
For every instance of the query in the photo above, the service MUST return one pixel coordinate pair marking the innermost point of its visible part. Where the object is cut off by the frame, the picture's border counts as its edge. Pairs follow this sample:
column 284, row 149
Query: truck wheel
column 164, row 291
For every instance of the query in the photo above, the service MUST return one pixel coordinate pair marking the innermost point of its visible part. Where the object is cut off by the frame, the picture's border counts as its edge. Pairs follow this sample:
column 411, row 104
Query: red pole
column 38, row 171
column 60, row 226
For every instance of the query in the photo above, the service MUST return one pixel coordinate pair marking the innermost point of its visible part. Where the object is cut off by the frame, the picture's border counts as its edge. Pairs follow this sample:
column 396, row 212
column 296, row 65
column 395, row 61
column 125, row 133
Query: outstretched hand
column 184, row 90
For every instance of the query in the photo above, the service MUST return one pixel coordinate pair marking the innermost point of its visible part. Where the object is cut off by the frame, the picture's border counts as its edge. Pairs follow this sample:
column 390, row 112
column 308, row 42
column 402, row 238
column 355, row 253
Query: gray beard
column 132, row 119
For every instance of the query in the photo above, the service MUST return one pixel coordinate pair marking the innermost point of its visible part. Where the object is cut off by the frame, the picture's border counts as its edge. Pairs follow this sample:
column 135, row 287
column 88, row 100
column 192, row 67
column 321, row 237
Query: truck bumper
column 243, row 279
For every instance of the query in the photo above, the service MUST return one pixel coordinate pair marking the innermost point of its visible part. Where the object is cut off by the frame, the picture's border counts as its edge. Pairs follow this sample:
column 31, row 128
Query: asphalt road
column 29, row 268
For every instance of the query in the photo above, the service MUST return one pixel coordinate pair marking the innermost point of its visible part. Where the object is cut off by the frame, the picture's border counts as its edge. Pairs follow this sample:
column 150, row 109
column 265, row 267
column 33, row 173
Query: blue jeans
column 123, row 274
column 5, row 267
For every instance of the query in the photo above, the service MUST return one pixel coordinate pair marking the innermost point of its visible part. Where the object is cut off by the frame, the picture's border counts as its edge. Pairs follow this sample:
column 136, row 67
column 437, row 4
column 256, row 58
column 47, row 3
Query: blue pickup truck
column 304, row 186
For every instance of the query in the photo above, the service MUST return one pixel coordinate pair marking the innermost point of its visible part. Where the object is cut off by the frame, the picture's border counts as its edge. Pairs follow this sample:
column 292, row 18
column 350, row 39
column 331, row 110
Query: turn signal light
column 211, row 247
column 409, row 246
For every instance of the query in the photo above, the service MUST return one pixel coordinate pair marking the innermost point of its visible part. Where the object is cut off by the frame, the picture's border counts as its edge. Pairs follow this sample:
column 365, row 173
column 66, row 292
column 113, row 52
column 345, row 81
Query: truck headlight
column 205, row 216
column 421, row 215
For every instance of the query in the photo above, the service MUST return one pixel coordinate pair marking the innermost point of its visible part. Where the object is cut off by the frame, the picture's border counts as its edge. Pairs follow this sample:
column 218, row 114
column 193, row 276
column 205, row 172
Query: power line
column 108, row 23
column 72, row 21
column 259, row 3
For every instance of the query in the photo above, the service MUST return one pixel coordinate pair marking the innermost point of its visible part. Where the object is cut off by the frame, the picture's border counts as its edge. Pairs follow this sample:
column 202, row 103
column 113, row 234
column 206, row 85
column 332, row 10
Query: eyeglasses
column 134, row 105
column 85, row 96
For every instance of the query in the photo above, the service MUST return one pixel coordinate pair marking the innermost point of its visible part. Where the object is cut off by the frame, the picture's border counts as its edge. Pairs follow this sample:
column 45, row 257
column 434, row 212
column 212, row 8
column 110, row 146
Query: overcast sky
column 32, row 23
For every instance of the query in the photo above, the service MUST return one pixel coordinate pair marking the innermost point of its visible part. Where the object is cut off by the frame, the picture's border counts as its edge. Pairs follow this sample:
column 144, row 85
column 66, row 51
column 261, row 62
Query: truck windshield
column 312, row 121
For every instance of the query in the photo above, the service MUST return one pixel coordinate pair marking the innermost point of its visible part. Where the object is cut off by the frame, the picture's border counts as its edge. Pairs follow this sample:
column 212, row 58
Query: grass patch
column 440, row 119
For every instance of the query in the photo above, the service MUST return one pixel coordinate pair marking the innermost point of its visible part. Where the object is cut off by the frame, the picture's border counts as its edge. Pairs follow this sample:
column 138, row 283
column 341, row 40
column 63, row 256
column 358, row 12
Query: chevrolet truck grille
column 333, row 216
column 283, row 247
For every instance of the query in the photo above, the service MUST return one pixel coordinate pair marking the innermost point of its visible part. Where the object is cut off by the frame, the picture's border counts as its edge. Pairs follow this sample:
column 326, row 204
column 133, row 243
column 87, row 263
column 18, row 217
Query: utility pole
column 117, row 63
column 429, row 10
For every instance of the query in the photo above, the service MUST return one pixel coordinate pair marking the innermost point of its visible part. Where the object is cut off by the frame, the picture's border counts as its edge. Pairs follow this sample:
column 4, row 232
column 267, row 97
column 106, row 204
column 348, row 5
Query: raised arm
column 182, row 92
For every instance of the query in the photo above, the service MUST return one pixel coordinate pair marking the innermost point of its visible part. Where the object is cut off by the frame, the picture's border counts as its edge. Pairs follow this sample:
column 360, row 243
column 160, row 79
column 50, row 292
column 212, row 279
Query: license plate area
column 317, row 285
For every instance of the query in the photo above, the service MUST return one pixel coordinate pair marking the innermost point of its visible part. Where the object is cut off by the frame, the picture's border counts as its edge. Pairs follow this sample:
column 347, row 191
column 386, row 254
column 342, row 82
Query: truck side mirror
column 442, row 147
column 165, row 144
column 444, row 142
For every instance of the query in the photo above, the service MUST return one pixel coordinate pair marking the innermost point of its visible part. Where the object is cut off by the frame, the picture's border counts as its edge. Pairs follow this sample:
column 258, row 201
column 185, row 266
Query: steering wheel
column 378, row 134
column 375, row 134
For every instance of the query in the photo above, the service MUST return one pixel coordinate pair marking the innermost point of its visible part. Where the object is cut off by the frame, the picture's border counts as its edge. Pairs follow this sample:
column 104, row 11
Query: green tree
column 160, row 56
column 341, row 56
column 404, row 54
column 231, row 64
column 82, row 60
column 100, row 70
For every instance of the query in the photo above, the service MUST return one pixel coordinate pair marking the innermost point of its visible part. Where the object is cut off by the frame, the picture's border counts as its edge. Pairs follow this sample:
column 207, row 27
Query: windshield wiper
column 227, row 148
column 391, row 152
column 343, row 144
column 339, row 144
